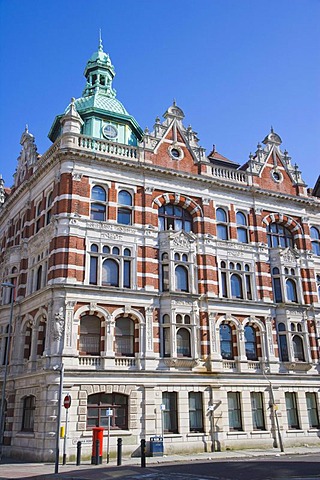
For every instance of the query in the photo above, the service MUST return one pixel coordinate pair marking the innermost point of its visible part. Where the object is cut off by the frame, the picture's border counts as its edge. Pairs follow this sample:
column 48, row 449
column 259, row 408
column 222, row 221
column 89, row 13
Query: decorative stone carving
column 58, row 324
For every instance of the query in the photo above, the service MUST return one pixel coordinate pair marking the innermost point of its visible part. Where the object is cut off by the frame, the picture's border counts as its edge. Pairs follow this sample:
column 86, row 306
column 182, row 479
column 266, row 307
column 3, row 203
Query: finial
column 26, row 128
column 100, row 41
column 73, row 100
column 214, row 148
column 250, row 156
column 174, row 102
column 271, row 129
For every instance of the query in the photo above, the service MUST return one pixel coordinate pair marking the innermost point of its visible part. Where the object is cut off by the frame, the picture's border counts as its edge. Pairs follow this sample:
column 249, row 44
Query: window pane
column 312, row 407
column 98, row 193
column 291, row 290
column 241, row 219
column 242, row 235
column 124, row 216
column 169, row 400
column 183, row 343
column 195, row 412
column 226, row 342
column 292, row 413
column 298, row 351
column 93, row 270
column 110, row 273
column 221, row 215
column 250, row 343
column 124, row 198
column 234, row 411
column 181, row 278
column 98, row 212
column 257, row 411
column 236, row 286
column 126, row 274
column 222, row 232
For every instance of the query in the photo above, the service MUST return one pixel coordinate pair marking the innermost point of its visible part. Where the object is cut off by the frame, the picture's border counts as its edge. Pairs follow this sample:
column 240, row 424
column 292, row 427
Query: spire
column 99, row 73
column 100, row 41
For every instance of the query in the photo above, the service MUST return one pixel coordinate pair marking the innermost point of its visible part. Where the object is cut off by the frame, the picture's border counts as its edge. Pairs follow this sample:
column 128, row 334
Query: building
column 179, row 289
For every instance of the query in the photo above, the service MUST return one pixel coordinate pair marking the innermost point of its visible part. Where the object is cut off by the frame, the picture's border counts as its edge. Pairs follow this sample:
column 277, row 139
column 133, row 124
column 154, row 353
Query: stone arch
column 139, row 324
column 99, row 312
column 128, row 312
column 287, row 221
column 252, row 321
column 178, row 199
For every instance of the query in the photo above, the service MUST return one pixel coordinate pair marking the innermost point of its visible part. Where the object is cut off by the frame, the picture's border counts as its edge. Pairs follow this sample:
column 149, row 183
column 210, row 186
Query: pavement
column 131, row 467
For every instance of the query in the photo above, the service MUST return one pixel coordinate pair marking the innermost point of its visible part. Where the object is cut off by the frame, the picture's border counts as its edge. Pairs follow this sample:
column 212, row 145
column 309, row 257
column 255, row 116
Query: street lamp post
column 6, row 366
column 59, row 368
column 162, row 409
column 274, row 410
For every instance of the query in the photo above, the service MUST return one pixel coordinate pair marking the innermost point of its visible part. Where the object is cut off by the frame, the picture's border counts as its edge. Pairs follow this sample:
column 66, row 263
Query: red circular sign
column 67, row 401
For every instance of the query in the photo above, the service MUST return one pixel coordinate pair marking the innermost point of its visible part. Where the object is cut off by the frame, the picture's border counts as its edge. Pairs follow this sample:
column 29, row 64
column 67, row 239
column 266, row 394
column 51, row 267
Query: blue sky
column 235, row 67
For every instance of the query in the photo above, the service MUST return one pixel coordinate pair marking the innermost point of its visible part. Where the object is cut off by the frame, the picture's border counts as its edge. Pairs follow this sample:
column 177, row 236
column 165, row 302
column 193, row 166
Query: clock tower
column 103, row 115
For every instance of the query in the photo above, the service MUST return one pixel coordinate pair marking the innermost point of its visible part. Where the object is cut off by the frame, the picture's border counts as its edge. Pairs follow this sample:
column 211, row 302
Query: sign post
column 67, row 405
column 109, row 413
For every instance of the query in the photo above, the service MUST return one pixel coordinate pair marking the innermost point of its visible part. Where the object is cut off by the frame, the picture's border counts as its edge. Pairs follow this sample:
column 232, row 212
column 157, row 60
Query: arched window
column 98, row 203
column 110, row 273
column 38, row 217
column 173, row 217
column 90, row 335
column 226, row 346
column 125, row 207
column 298, row 351
column 242, row 227
column 279, row 236
column 124, row 337
column 165, row 339
column 41, row 337
column 222, row 224
column 27, row 342
column 182, row 283
column 250, row 342
column 29, row 406
column 98, row 404
column 236, row 286
column 183, row 343
column 291, row 290
column 39, row 278
column 49, row 208
column 315, row 240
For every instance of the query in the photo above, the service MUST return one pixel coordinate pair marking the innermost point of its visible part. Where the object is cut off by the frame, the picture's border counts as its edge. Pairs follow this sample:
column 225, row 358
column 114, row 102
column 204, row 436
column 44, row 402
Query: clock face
column 109, row 131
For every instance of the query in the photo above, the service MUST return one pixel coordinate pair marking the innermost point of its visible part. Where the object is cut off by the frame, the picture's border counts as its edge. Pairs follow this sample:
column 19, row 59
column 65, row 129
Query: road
column 288, row 467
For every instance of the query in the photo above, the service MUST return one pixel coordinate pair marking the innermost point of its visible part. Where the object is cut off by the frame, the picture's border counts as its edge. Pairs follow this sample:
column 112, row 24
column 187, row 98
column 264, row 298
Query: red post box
column 97, row 434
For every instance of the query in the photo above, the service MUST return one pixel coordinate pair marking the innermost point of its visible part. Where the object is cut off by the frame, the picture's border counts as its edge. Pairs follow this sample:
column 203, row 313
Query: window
column 90, row 335
column 124, row 208
column 27, row 342
column 276, row 285
column 283, row 344
column 170, row 412
column 312, row 407
column 222, row 224
column 195, row 412
column 165, row 282
column 49, row 208
column 98, row 403
column 226, row 343
column 250, row 342
column 41, row 337
column 285, row 285
column 257, row 411
column 298, row 353
column 165, row 339
column 4, row 342
column 183, row 343
column 279, row 236
column 39, row 278
column 315, row 240
column 29, row 406
column 318, row 286
column 173, row 217
column 182, row 330
column 236, row 280
column 292, row 411
column 234, row 411
column 98, row 203
column 181, row 274
column 242, row 227
column 291, row 288
column 124, row 337
column 110, row 266
column 38, row 217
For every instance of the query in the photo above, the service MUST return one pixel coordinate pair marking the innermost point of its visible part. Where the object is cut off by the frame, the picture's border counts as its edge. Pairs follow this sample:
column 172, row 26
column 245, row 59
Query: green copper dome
column 98, row 104
column 100, row 101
